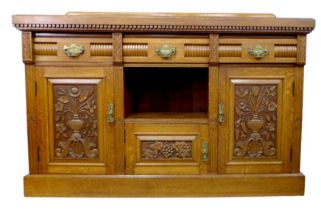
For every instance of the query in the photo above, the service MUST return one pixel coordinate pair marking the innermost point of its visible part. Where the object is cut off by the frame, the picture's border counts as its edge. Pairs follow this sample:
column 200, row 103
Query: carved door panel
column 74, row 135
column 166, row 149
column 256, row 119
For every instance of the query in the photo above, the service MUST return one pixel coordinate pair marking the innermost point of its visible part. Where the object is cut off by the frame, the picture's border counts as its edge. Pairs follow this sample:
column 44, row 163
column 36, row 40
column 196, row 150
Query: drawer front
column 166, row 50
column 73, row 49
column 257, row 50
column 189, row 49
column 166, row 149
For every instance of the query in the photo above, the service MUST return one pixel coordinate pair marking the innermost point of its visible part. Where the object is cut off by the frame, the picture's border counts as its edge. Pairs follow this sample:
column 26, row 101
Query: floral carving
column 75, row 114
column 255, row 121
column 157, row 150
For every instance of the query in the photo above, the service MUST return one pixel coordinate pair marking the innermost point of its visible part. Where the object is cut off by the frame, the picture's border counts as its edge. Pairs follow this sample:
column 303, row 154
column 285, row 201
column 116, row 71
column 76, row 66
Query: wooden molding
column 154, row 22
column 27, row 48
column 163, row 186
column 135, row 49
column 101, row 49
column 118, row 48
column 214, row 54
column 301, row 40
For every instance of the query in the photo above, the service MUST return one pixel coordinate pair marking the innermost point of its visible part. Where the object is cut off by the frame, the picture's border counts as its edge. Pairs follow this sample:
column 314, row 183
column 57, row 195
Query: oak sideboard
column 163, row 104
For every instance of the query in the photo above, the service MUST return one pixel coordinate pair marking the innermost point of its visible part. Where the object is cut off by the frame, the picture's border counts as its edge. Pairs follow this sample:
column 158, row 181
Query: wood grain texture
column 297, row 118
column 236, row 49
column 117, row 48
column 232, row 130
column 285, row 51
column 159, row 148
column 119, row 140
column 31, row 88
column 301, row 54
column 135, row 49
column 163, row 186
column 27, row 47
column 49, row 48
column 102, row 78
column 123, row 119
column 213, row 47
column 160, row 23
column 101, row 49
column 213, row 116
column 45, row 48
column 188, row 49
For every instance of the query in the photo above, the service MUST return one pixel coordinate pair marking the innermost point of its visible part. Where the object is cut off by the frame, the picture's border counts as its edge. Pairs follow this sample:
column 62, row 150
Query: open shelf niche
column 166, row 93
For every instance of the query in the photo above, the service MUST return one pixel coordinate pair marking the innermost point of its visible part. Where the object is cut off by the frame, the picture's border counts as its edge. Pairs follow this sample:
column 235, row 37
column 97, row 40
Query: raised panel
column 75, row 119
column 162, row 148
column 165, row 149
column 256, row 119
column 256, row 134
column 78, row 139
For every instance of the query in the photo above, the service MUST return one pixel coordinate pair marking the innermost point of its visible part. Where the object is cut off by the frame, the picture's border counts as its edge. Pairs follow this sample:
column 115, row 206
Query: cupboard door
column 255, row 119
column 74, row 136
column 166, row 149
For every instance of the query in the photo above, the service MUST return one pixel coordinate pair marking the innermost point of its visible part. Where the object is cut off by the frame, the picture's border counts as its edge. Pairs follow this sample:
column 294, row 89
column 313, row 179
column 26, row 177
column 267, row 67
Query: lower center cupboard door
column 166, row 149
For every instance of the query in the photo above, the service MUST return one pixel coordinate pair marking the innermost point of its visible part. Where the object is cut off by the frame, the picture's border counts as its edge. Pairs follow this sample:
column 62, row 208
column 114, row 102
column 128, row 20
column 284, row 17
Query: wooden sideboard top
column 164, row 23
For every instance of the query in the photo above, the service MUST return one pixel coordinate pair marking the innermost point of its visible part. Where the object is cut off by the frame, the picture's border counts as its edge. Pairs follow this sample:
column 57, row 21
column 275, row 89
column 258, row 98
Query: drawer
column 257, row 50
column 166, row 50
column 181, row 49
column 73, row 49
column 231, row 49
column 166, row 149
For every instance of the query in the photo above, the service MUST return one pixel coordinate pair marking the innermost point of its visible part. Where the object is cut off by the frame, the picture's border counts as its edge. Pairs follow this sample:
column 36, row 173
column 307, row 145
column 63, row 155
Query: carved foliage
column 255, row 121
column 159, row 150
column 75, row 116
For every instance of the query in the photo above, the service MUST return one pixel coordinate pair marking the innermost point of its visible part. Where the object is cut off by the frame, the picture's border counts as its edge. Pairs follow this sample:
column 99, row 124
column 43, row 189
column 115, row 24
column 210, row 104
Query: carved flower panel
column 255, row 121
column 75, row 120
column 166, row 150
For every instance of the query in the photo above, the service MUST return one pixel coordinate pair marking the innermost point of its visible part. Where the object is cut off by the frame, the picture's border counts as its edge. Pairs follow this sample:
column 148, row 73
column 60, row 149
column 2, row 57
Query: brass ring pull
column 73, row 50
column 165, row 51
column 258, row 51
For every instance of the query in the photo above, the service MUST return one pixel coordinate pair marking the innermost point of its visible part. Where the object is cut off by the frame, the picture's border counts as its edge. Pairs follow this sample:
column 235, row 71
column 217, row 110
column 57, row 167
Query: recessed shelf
column 167, row 117
column 155, row 90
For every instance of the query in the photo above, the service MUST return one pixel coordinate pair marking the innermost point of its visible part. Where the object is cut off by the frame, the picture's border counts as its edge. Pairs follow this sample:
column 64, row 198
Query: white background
column 13, row 142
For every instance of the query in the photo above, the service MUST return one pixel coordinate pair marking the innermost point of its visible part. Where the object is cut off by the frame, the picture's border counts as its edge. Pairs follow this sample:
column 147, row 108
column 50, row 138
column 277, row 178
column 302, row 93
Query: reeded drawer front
column 166, row 149
column 73, row 49
column 257, row 50
column 165, row 50
column 189, row 49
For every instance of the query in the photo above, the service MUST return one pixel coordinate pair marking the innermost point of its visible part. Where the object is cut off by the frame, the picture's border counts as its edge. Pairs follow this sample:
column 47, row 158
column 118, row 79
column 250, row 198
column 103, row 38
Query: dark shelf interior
column 165, row 90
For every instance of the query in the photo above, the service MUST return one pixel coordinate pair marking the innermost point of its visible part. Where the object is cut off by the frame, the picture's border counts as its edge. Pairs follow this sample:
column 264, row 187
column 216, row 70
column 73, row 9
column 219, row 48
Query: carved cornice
column 160, row 28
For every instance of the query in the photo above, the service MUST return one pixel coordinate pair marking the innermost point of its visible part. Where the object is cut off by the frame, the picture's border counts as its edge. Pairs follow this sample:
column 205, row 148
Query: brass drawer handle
column 204, row 151
column 73, row 50
column 258, row 51
column 110, row 111
column 165, row 51
column 221, row 116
